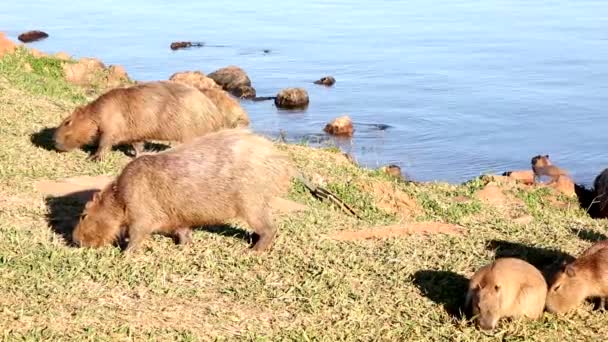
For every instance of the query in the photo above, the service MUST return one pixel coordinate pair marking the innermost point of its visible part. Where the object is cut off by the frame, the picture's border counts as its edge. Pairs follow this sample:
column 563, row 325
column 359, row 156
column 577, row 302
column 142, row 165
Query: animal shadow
column 231, row 231
column 588, row 235
column 44, row 139
column 546, row 260
column 64, row 211
column 444, row 287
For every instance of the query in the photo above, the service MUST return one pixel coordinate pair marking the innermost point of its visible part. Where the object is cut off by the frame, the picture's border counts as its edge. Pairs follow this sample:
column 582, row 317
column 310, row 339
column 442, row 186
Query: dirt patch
column 71, row 185
column 6, row 45
column 380, row 232
column 494, row 195
column 393, row 200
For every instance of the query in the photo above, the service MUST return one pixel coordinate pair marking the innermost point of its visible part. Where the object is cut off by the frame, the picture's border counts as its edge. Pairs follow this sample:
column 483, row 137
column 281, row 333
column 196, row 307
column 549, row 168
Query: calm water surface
column 467, row 87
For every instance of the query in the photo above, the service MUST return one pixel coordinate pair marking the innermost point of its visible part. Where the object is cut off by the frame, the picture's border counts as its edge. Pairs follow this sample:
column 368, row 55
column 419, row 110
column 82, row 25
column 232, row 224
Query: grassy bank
column 310, row 286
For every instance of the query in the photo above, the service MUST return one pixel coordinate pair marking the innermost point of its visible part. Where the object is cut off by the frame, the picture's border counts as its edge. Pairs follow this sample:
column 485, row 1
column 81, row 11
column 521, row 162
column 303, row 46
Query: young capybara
column 542, row 166
column 220, row 176
column 166, row 111
column 585, row 277
column 508, row 287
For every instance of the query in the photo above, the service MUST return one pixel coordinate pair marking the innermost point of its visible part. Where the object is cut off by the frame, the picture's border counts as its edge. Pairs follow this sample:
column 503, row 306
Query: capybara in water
column 585, row 277
column 183, row 45
column 32, row 36
column 542, row 166
column 508, row 287
column 220, row 176
column 292, row 98
column 342, row 126
column 166, row 111
column 327, row 81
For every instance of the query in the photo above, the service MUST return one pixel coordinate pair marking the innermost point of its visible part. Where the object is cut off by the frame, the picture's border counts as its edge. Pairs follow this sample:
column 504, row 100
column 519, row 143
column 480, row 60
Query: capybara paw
column 96, row 157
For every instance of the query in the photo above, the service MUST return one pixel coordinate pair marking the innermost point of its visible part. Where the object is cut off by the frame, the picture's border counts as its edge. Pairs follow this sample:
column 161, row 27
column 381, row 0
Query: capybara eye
column 496, row 287
column 556, row 288
column 83, row 216
column 69, row 122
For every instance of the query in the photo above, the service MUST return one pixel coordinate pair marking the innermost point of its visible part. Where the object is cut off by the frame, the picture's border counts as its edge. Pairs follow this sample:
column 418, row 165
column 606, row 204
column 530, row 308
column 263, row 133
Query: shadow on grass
column 445, row 288
column 231, row 231
column 588, row 235
column 44, row 139
column 585, row 199
column 64, row 211
column 548, row 261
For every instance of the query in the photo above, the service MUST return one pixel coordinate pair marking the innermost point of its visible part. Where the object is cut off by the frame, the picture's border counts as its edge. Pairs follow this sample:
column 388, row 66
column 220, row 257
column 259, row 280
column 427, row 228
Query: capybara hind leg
column 105, row 145
column 262, row 225
column 183, row 235
column 138, row 148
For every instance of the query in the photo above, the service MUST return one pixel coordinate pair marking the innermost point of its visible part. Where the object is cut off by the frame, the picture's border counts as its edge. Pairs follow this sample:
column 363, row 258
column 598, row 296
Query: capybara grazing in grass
column 585, row 277
column 542, row 166
column 220, row 176
column 166, row 111
column 508, row 287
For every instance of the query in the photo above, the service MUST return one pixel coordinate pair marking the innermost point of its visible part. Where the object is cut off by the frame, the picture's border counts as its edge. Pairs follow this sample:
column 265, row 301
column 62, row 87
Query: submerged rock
column 292, row 98
column 234, row 80
column 32, row 36
column 342, row 125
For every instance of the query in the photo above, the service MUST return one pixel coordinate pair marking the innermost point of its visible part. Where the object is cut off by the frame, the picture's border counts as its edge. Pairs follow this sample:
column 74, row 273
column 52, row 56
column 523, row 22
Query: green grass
column 308, row 287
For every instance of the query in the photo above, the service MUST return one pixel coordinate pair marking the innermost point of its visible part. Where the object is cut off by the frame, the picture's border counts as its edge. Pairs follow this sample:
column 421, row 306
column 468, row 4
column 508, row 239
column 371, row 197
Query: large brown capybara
column 165, row 111
column 231, row 109
column 217, row 177
column 508, row 287
column 585, row 277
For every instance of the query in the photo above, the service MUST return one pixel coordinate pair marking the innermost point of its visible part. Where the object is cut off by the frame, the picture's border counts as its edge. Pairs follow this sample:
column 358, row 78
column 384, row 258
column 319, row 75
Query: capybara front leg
column 105, row 145
column 137, row 234
column 262, row 225
column 138, row 148
column 183, row 235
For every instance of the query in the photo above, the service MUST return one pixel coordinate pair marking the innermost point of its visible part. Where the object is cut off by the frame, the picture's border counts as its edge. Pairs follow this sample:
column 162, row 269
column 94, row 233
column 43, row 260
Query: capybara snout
column 74, row 131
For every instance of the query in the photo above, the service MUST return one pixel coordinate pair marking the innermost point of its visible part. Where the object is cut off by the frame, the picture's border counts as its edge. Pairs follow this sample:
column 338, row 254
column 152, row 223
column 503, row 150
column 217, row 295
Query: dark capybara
column 585, row 277
column 166, row 111
column 327, row 81
column 32, row 36
column 542, row 166
column 508, row 287
column 183, row 45
column 217, row 177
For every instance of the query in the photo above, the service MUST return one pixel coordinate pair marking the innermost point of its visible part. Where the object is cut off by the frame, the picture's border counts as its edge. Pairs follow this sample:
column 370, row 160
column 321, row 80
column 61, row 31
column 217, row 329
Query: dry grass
column 309, row 287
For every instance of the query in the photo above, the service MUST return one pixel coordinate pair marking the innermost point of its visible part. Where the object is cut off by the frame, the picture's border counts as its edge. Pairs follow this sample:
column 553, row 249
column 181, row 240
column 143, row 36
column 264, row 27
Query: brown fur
column 600, row 185
column 586, row 277
column 220, row 176
column 292, row 98
column 32, row 36
column 327, row 81
column 508, row 287
column 231, row 109
column 166, row 111
column 542, row 166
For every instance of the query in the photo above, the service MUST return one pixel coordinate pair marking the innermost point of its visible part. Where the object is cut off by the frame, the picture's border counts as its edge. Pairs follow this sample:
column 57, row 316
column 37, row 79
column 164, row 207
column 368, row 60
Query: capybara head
column 101, row 221
column 486, row 303
column 75, row 131
column 540, row 160
column 568, row 289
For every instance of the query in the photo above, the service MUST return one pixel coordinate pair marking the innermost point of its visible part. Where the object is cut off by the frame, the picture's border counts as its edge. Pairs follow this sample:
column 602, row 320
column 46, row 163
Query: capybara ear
column 570, row 271
column 496, row 288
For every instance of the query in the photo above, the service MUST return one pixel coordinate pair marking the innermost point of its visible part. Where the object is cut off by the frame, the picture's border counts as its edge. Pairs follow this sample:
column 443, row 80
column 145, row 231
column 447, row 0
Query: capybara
column 392, row 170
column 234, row 114
column 183, row 45
column 342, row 126
column 32, row 36
column 292, row 98
column 230, row 77
column 600, row 186
column 585, row 277
column 542, row 166
column 508, row 287
column 223, row 175
column 166, row 111
column 327, row 81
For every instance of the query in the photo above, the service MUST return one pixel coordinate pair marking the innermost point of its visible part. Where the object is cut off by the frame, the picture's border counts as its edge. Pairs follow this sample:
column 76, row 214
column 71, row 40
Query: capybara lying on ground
column 508, row 287
column 220, row 176
column 585, row 277
column 166, row 111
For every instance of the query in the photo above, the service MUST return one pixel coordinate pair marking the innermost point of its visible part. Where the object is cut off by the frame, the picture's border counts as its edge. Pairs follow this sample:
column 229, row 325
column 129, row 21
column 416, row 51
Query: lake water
column 467, row 87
